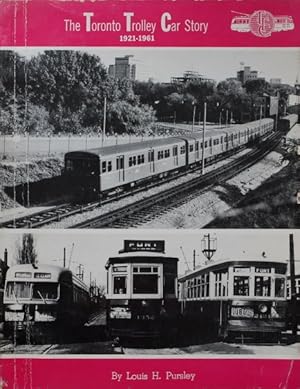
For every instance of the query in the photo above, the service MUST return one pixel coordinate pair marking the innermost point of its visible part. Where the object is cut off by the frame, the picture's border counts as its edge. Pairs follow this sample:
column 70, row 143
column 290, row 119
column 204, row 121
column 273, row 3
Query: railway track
column 57, row 213
column 146, row 209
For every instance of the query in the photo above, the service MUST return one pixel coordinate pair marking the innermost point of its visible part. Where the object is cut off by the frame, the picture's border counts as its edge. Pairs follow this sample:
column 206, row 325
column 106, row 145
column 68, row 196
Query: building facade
column 123, row 68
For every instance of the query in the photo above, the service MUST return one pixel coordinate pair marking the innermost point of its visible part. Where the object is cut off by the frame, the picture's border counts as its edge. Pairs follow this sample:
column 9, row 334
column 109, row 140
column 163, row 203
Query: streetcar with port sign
column 235, row 300
column 142, row 297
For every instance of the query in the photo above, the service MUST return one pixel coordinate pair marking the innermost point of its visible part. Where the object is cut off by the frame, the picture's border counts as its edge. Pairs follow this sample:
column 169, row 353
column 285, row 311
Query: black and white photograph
column 173, row 138
column 208, row 293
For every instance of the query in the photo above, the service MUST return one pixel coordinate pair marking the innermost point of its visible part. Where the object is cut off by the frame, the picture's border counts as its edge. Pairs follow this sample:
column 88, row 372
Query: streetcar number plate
column 242, row 312
column 14, row 316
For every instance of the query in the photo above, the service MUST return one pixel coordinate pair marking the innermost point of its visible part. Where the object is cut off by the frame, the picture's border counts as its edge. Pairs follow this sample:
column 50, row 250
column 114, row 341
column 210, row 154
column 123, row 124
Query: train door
column 197, row 151
column 151, row 160
column 175, row 155
column 120, row 168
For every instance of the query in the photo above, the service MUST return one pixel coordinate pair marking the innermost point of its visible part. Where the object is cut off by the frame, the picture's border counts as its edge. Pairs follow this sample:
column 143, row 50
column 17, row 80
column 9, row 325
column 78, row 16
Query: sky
column 92, row 248
column 216, row 63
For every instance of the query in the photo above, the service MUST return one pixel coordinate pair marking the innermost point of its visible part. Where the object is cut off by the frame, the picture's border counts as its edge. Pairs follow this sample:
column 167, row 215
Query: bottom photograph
column 126, row 292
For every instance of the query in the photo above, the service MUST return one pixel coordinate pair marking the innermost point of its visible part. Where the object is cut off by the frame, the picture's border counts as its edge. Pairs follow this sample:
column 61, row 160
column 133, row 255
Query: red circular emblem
column 261, row 23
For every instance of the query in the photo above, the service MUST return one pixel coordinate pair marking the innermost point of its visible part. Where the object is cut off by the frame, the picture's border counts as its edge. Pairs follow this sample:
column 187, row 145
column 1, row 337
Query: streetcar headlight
column 263, row 308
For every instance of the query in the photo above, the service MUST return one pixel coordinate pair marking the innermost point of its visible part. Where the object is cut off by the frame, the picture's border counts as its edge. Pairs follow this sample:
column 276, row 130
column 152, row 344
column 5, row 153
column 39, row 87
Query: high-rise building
column 247, row 75
column 123, row 68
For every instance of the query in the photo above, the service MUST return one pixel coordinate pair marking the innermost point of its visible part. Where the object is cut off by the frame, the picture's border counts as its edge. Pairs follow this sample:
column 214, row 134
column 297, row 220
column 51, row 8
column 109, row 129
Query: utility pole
column 194, row 259
column 194, row 113
column 203, row 137
column 104, row 119
column 293, row 286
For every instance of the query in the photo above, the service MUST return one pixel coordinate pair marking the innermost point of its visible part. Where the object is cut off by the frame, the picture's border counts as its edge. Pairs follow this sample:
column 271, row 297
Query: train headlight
column 263, row 308
column 144, row 303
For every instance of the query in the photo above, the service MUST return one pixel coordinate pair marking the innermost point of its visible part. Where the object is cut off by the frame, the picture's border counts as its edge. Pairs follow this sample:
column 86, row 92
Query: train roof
column 216, row 265
column 126, row 147
column 56, row 272
column 140, row 257
column 169, row 141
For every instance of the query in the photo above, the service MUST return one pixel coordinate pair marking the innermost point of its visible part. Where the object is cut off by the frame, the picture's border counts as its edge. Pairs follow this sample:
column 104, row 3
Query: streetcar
column 43, row 300
column 142, row 292
column 243, row 299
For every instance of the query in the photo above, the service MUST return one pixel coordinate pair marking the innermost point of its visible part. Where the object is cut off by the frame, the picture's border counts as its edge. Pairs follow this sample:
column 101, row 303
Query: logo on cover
column 261, row 23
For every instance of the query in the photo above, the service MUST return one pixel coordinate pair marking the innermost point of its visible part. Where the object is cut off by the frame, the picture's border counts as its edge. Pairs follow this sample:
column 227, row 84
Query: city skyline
column 160, row 64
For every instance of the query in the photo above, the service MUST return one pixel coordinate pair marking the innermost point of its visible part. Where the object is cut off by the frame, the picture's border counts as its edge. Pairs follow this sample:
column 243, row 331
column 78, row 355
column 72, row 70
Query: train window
column 167, row 153
column 45, row 290
column 201, row 145
column 139, row 160
column 205, row 144
column 151, row 156
column 241, row 286
column 69, row 164
column 18, row 290
column 182, row 150
column 175, row 151
column 197, row 146
column 134, row 160
column 145, row 283
column 103, row 166
column 145, row 279
column 191, row 148
column 262, row 286
column 142, row 158
column 279, row 287
column 221, row 139
column 210, row 142
column 130, row 161
column 160, row 154
column 109, row 166
column 119, row 284
column 221, row 285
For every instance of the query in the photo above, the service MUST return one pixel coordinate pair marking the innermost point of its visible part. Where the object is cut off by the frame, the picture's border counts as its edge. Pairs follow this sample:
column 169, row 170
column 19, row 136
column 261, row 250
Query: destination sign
column 157, row 246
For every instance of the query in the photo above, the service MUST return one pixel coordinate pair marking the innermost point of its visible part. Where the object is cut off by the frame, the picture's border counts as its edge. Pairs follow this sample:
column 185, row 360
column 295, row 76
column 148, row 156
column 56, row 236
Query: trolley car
column 43, row 300
column 142, row 291
column 235, row 299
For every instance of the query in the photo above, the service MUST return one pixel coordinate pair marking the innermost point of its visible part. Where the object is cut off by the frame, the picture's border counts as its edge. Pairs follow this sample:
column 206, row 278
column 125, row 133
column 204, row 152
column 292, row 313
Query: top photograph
column 181, row 138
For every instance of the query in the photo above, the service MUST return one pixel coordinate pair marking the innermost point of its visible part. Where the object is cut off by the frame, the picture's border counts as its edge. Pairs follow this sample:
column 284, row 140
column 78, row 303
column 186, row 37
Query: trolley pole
column 203, row 137
column 293, row 286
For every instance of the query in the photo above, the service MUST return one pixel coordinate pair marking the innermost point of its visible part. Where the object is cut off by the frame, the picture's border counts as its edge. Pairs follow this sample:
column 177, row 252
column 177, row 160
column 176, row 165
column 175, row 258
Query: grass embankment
column 272, row 205
column 37, row 170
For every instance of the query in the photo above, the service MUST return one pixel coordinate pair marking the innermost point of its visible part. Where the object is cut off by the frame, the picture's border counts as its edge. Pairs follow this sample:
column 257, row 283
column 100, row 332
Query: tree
column 26, row 252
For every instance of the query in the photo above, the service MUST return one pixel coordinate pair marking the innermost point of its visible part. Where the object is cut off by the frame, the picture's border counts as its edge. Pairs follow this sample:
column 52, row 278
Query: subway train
column 95, row 173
